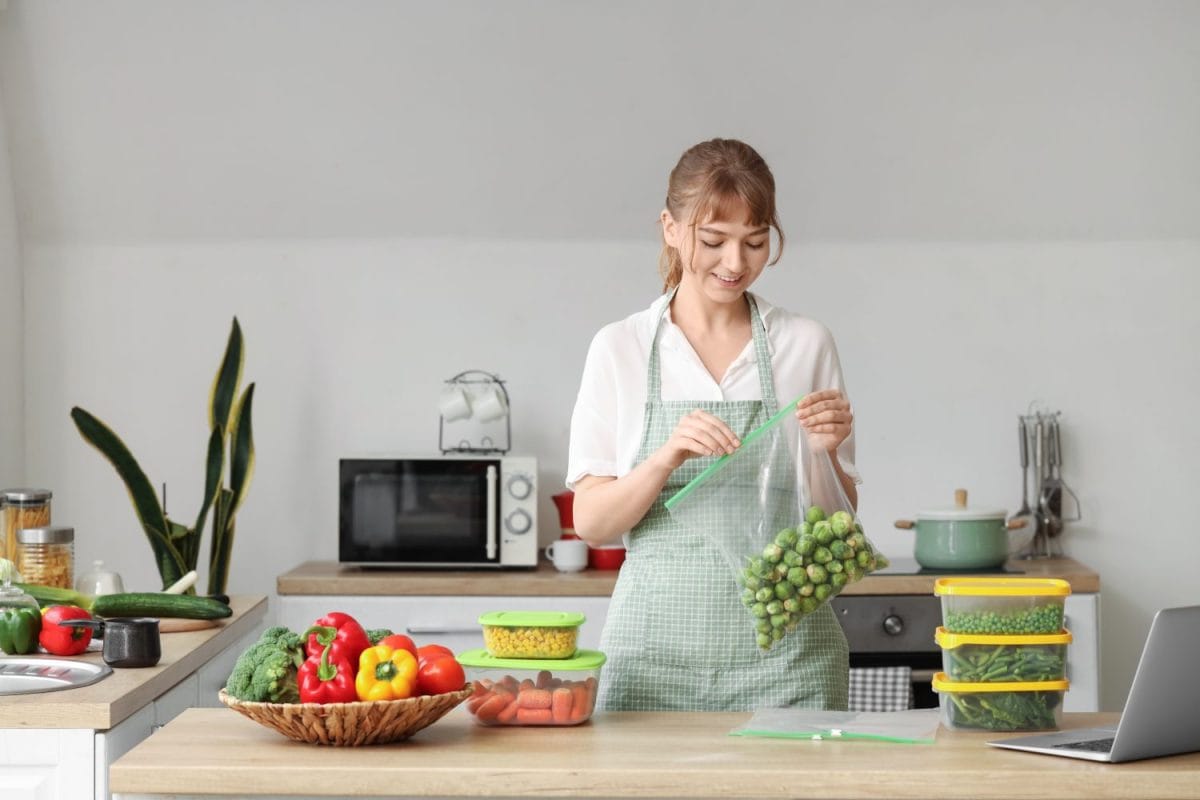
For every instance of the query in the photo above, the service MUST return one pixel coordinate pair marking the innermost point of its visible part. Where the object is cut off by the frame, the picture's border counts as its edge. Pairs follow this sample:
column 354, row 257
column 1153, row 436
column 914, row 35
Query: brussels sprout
column 814, row 514
column 842, row 523
column 776, row 634
column 786, row 537
column 822, row 555
column 863, row 558
column 823, row 592
column 764, row 640
column 806, row 544
column 824, row 532
column 784, row 590
column 748, row 597
column 809, row 605
column 839, row 580
column 778, row 620
column 792, row 558
column 805, row 528
column 791, row 605
column 759, row 610
column 839, row 549
column 856, row 540
column 772, row 553
column 817, row 573
column 805, row 590
column 764, row 595
column 752, row 582
column 774, row 607
column 834, row 567
column 797, row 576
column 762, row 625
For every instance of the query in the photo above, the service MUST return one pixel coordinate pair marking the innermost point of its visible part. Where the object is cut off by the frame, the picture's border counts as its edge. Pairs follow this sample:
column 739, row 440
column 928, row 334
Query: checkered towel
column 880, row 688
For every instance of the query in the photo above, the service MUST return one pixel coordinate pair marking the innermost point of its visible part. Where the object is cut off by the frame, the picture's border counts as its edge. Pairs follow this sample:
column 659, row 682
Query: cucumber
column 159, row 604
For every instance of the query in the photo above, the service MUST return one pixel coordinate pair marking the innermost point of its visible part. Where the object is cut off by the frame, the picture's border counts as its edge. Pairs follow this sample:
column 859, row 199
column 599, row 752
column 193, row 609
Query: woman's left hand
column 826, row 417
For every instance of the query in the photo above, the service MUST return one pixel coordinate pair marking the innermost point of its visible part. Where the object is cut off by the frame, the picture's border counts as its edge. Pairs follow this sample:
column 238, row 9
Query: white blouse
column 606, row 427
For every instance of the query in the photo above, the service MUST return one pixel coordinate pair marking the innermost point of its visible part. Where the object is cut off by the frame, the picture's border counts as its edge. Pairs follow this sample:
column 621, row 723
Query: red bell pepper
column 64, row 640
column 342, row 632
column 326, row 679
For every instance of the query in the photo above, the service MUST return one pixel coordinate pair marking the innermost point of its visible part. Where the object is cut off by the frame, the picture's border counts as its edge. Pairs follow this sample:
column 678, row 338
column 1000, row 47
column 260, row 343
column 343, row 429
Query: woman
column 663, row 392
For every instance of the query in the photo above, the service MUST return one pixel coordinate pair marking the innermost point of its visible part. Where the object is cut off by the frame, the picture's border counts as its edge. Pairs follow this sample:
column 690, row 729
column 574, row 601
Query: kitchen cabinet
column 61, row 744
column 208, row 752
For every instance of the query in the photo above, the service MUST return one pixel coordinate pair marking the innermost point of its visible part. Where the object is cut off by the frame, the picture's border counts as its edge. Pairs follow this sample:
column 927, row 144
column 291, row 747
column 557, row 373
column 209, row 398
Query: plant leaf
column 226, row 381
column 241, row 456
column 213, row 470
column 222, row 543
column 141, row 492
column 167, row 556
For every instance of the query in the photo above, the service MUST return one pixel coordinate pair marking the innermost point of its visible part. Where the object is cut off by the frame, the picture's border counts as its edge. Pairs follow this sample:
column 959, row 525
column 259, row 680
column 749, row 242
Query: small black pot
column 128, row 641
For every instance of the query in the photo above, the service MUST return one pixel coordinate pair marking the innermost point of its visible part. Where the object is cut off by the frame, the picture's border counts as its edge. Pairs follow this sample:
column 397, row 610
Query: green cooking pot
column 961, row 537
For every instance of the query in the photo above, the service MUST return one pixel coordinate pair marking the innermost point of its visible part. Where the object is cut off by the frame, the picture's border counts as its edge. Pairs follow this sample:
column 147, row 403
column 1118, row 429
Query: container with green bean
column 984, row 658
column 992, row 706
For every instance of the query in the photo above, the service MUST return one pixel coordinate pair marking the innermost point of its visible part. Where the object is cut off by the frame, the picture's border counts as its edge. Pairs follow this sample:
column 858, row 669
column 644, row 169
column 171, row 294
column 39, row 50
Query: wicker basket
column 350, row 724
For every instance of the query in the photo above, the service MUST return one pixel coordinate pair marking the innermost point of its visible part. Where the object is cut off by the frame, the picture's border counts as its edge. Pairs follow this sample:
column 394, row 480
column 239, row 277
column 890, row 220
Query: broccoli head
column 266, row 671
column 376, row 635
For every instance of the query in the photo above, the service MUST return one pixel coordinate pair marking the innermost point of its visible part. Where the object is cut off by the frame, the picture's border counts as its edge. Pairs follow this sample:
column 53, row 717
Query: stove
column 898, row 629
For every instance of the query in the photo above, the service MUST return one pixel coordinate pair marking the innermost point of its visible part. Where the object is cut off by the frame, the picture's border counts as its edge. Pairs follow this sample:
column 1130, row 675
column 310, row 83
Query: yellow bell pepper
column 386, row 674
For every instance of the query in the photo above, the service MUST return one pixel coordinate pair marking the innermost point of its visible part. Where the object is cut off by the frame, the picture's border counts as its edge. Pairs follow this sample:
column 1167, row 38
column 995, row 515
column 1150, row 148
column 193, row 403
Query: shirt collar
column 659, row 308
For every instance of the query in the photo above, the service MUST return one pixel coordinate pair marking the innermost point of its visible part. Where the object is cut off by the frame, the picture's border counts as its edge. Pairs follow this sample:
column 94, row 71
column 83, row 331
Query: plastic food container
column 1024, row 706
column 518, row 691
column 531, row 634
column 982, row 658
column 1002, row 606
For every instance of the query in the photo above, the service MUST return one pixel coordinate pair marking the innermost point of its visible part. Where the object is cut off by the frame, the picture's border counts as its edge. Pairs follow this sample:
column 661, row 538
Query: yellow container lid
column 942, row 684
column 948, row 641
column 1001, row 587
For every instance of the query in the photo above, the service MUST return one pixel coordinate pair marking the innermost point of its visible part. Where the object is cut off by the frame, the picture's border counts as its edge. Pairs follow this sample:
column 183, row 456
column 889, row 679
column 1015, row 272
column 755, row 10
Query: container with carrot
column 525, row 691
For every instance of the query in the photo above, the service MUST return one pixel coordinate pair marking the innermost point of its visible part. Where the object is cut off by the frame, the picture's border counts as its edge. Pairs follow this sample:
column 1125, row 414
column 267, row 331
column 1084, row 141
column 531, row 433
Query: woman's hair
column 709, row 182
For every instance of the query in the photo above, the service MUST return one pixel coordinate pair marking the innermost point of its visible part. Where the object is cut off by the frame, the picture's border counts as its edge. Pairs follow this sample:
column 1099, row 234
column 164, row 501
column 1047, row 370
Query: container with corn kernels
column 531, row 634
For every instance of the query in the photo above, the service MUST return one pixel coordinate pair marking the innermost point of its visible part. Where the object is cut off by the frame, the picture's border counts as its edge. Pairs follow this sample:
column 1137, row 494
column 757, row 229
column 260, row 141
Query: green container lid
column 532, row 619
column 583, row 659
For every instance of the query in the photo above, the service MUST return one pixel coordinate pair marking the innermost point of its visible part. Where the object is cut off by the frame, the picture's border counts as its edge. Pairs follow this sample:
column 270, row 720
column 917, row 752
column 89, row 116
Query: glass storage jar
column 47, row 556
column 22, row 508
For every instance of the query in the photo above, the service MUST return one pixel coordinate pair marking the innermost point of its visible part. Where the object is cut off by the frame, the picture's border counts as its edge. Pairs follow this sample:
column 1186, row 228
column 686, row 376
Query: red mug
column 606, row 557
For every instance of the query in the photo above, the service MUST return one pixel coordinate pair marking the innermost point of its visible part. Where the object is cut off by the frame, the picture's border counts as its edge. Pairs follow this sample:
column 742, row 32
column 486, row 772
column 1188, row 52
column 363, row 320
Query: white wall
column 12, row 433
column 988, row 206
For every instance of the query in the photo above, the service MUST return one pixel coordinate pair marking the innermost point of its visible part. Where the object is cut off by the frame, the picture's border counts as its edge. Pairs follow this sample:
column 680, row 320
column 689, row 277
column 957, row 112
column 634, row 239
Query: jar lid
column 23, row 497
column 46, row 535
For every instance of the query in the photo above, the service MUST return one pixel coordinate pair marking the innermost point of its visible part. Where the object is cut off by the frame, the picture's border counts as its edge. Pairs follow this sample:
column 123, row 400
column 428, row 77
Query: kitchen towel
column 880, row 689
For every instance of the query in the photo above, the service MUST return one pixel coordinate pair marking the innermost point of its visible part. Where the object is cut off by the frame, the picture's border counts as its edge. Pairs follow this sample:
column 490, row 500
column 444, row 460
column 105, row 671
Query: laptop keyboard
column 1092, row 745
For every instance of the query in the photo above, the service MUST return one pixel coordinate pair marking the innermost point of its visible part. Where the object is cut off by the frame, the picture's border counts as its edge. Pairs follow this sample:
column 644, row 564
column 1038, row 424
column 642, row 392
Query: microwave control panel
column 518, row 511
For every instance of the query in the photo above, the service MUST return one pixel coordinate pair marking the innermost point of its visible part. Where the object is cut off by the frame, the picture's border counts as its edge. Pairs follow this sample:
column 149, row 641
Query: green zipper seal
column 827, row 735
column 720, row 462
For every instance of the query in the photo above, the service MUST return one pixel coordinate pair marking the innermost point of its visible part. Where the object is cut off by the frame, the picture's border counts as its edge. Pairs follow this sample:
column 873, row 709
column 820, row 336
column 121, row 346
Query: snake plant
column 176, row 546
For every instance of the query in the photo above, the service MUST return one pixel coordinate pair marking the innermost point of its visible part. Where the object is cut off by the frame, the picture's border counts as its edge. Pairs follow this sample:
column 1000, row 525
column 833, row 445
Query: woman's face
column 721, row 258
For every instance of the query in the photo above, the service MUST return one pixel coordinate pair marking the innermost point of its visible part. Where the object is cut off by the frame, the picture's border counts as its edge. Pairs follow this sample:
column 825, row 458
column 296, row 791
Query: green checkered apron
column 677, row 636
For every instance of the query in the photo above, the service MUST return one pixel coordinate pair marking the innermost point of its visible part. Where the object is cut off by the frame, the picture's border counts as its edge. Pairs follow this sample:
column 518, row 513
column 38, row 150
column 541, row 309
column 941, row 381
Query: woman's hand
column 697, row 434
column 826, row 417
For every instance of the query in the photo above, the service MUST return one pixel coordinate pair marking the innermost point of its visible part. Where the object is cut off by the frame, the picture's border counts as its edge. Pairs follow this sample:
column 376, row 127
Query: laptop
column 1160, row 717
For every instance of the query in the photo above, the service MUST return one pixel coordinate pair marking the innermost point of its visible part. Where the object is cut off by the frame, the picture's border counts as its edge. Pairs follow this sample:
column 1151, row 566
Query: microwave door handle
column 491, row 513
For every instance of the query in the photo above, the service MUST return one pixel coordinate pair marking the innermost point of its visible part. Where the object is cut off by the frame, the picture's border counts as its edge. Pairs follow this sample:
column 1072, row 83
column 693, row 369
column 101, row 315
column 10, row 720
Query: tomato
column 440, row 674
column 428, row 651
column 398, row 641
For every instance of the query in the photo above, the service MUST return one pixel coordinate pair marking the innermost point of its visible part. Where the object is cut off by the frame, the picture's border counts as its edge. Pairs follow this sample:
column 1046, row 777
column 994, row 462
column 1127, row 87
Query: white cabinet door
column 449, row 620
column 36, row 764
column 1082, row 619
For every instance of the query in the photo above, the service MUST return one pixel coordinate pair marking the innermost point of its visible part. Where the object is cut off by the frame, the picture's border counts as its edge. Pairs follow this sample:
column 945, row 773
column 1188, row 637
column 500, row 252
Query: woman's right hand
column 698, row 433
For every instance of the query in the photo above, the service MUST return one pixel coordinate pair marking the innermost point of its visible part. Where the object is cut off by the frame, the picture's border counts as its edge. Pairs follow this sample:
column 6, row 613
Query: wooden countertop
column 331, row 578
column 102, row 705
column 217, row 751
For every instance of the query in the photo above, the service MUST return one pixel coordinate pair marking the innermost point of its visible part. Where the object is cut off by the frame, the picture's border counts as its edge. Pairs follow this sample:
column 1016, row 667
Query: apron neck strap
column 762, row 353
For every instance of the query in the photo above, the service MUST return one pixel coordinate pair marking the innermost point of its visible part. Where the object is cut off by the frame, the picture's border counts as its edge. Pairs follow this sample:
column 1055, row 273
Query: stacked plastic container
column 531, row 671
column 1004, row 653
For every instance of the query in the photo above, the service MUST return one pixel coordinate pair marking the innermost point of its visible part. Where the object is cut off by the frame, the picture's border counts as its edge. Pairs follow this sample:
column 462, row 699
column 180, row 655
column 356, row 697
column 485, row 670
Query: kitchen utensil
column 961, row 537
column 610, row 556
column 128, row 641
column 568, row 555
column 1024, row 510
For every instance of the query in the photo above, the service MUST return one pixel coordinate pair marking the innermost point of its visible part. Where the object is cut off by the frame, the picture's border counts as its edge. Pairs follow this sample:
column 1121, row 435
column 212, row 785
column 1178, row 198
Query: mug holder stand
column 467, row 379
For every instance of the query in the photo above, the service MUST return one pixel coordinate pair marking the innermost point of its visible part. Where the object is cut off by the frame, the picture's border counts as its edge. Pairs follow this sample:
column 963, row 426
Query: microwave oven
column 452, row 511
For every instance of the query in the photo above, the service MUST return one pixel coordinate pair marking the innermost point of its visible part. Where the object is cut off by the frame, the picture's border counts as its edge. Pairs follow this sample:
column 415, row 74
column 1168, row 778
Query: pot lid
column 960, row 512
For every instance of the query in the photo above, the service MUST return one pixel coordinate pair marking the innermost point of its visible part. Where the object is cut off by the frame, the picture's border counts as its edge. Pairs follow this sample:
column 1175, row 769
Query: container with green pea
column 1002, row 606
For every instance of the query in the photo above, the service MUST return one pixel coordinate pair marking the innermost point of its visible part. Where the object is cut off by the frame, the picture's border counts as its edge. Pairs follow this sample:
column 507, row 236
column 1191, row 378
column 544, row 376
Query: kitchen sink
column 30, row 674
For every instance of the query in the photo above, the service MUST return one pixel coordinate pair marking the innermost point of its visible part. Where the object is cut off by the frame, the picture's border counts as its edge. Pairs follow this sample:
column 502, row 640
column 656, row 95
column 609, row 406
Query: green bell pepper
column 19, row 629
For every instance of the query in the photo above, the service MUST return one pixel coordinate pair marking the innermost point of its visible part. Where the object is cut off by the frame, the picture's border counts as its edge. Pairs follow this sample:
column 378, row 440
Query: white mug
column 489, row 404
column 454, row 404
column 568, row 555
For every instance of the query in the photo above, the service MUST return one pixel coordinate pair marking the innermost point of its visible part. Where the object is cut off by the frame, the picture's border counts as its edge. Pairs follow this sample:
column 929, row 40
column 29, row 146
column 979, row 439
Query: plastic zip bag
column 789, row 535
column 914, row 726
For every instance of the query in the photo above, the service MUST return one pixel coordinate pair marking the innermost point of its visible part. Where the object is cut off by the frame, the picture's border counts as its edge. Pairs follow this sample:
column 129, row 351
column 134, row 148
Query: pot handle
column 906, row 524
column 1017, row 523
column 97, row 625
